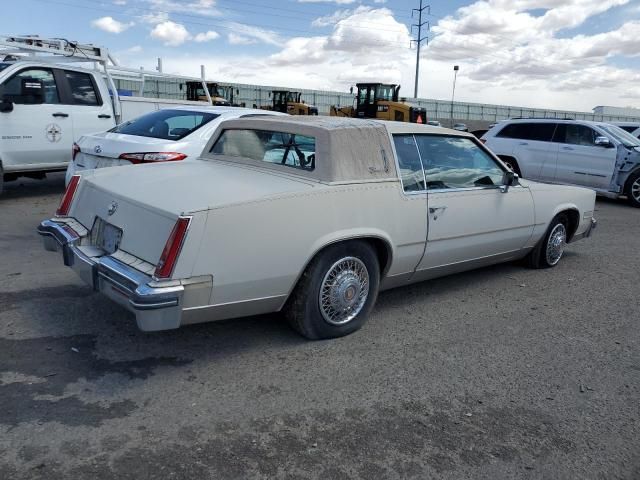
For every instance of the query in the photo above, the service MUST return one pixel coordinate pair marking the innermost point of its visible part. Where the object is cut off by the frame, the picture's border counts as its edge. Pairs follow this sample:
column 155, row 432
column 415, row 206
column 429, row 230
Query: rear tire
column 336, row 292
column 549, row 250
column 633, row 190
column 1, row 179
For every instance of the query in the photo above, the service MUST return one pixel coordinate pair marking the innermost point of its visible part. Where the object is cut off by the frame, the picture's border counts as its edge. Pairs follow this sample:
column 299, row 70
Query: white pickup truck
column 45, row 107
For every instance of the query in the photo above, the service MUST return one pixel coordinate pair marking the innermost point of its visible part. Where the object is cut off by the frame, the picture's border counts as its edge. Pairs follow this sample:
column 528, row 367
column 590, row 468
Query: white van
column 597, row 155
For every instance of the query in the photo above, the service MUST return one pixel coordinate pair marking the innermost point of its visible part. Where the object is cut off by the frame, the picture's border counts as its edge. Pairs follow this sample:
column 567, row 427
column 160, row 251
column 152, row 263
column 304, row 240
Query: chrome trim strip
column 204, row 307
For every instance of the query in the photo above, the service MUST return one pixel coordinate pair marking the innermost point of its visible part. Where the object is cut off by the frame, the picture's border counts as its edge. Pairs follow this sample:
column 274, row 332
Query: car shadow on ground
column 29, row 188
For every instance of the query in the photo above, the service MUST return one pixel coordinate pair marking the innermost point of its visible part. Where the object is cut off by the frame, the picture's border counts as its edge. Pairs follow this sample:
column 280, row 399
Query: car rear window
column 166, row 124
column 540, row 131
column 288, row 149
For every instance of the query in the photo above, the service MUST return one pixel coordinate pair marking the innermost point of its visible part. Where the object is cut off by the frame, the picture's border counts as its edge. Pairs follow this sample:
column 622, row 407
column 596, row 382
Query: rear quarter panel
column 550, row 200
column 258, row 250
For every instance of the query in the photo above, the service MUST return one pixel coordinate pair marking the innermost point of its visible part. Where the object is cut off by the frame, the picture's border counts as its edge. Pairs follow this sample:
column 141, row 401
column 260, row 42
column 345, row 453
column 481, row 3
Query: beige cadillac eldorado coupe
column 310, row 216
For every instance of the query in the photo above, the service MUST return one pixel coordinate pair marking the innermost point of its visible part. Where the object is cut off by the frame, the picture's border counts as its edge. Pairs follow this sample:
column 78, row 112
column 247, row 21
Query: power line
column 418, row 41
column 234, row 29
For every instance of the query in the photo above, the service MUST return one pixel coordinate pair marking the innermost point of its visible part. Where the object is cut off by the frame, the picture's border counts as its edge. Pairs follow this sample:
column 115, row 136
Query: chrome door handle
column 60, row 114
column 103, row 115
column 435, row 211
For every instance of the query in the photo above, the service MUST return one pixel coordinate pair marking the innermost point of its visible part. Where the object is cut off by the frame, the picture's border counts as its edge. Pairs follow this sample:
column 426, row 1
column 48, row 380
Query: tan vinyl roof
column 347, row 149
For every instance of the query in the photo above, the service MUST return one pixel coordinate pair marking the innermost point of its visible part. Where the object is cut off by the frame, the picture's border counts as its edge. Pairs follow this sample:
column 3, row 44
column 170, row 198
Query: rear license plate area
column 105, row 236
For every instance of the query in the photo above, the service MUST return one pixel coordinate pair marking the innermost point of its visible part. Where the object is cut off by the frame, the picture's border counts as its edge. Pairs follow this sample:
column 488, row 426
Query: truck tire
column 336, row 292
column 633, row 189
column 549, row 250
column 1, row 179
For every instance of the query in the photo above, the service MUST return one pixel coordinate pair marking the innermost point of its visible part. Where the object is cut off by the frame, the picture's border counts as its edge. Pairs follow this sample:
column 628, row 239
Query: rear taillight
column 150, row 157
column 67, row 198
column 172, row 248
column 75, row 150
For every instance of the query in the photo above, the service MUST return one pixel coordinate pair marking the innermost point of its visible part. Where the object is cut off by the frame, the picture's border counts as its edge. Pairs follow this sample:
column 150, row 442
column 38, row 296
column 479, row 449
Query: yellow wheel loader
column 379, row 100
column 286, row 101
column 221, row 95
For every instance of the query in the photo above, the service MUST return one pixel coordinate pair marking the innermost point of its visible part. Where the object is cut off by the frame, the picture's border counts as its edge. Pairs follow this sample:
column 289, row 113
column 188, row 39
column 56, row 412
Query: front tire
column 549, row 251
column 336, row 292
column 633, row 190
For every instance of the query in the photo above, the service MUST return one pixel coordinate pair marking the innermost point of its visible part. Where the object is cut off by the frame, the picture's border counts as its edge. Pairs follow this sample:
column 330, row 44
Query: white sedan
column 166, row 135
column 311, row 216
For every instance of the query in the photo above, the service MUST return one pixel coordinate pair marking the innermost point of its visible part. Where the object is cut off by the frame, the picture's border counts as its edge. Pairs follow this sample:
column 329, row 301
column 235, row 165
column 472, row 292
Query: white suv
column 590, row 154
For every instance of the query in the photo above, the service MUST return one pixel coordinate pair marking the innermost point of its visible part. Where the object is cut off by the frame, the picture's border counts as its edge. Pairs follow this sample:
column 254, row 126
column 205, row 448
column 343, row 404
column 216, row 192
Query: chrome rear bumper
column 155, row 307
column 587, row 233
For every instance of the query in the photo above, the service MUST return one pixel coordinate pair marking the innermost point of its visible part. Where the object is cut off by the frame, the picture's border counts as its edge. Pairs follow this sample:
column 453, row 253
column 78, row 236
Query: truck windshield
column 166, row 124
column 622, row 136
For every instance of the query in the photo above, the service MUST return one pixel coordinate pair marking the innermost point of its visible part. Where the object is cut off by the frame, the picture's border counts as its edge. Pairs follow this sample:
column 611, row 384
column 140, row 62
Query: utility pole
column 418, row 41
column 453, row 93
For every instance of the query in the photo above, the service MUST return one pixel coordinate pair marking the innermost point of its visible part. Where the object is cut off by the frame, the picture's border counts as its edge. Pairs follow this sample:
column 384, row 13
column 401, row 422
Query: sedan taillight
column 67, row 198
column 150, row 157
column 172, row 248
column 75, row 150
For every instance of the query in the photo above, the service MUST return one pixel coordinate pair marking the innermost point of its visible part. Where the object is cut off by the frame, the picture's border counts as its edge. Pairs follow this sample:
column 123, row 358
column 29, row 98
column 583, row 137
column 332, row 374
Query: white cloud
column 247, row 34
column 171, row 33
column 235, row 39
column 204, row 8
column 335, row 17
column 111, row 25
column 206, row 36
column 155, row 18
column 338, row 2
column 508, row 54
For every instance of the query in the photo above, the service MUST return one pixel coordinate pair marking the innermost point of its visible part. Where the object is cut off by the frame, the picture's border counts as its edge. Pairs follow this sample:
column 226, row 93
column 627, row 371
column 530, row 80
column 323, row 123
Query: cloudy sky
column 569, row 54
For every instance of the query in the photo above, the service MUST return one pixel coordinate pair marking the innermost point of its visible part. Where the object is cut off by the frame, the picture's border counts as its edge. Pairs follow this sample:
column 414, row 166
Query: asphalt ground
column 498, row 373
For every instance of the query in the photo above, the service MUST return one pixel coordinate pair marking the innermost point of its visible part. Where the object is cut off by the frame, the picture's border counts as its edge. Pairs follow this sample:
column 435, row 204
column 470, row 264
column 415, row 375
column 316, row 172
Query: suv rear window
column 289, row 149
column 166, row 124
column 540, row 131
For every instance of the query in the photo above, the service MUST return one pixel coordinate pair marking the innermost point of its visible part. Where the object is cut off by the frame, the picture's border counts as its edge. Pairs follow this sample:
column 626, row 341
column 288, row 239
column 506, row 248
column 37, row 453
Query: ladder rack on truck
column 60, row 50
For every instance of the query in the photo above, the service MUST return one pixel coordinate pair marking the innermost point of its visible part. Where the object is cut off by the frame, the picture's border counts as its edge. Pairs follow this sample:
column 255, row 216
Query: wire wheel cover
column 344, row 291
column 556, row 243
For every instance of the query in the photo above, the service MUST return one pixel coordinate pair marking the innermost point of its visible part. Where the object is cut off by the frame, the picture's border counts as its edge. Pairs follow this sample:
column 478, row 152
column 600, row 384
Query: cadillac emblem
column 112, row 208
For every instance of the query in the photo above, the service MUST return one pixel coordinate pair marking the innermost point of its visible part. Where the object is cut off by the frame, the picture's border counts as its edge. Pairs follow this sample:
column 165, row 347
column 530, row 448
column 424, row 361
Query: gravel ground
column 502, row 372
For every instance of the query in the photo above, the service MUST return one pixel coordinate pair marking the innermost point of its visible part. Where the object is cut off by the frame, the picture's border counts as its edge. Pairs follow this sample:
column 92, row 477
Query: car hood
column 185, row 187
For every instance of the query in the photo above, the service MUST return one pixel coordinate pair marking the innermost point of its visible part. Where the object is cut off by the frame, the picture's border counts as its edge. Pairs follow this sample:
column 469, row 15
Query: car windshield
column 166, row 124
column 622, row 136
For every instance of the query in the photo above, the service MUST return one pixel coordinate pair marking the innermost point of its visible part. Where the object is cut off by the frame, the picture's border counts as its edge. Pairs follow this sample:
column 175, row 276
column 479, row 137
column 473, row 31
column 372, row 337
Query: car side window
column 281, row 148
column 574, row 134
column 12, row 89
column 457, row 162
column 83, row 91
column 411, row 172
column 538, row 131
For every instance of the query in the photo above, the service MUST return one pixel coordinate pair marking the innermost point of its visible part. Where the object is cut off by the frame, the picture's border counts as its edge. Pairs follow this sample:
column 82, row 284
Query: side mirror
column 603, row 142
column 6, row 106
column 509, row 179
column 351, row 90
column 32, row 91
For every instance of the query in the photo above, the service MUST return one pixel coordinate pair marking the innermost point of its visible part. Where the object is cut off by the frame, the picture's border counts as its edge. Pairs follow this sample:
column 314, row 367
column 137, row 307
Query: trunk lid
column 104, row 149
column 144, row 201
